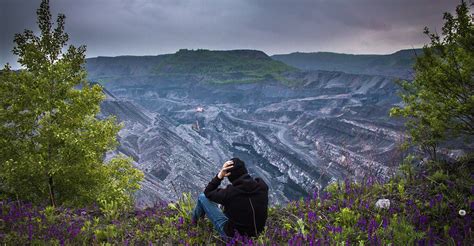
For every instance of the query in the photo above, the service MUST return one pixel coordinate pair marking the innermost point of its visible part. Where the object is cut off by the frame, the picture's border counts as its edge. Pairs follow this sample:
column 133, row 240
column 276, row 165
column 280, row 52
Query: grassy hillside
column 398, row 64
column 221, row 67
column 246, row 66
column 432, row 205
column 234, row 66
column 100, row 67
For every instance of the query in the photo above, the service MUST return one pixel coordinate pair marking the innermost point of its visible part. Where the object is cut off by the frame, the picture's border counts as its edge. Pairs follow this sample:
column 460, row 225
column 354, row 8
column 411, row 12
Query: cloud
column 139, row 27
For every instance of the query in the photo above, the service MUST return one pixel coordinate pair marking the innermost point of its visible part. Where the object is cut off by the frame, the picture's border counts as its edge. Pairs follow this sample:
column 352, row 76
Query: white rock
column 383, row 203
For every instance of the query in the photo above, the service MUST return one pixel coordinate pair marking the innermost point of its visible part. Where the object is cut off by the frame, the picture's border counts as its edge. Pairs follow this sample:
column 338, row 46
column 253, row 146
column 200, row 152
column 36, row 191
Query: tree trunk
column 51, row 191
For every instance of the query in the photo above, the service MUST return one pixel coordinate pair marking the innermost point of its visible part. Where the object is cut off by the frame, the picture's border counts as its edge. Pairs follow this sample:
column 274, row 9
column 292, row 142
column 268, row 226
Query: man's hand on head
column 223, row 172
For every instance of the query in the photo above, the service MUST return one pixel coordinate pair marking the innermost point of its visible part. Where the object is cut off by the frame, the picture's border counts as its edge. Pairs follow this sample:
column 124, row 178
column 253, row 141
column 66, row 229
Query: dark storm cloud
column 117, row 27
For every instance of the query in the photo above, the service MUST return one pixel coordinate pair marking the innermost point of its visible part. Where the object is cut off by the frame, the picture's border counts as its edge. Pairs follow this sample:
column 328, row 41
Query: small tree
column 51, row 143
column 439, row 102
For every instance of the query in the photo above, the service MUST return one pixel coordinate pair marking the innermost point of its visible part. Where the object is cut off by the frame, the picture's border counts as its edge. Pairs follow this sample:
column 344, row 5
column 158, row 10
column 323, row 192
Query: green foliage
column 346, row 217
column 222, row 67
column 108, row 232
column 422, row 212
column 347, row 220
column 402, row 232
column 52, row 145
column 439, row 102
column 184, row 206
column 122, row 180
column 49, row 214
column 301, row 228
column 406, row 167
column 110, row 209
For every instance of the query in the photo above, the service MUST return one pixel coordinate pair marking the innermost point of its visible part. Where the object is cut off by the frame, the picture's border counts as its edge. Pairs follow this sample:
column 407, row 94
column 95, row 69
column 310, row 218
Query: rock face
column 298, row 137
column 171, row 156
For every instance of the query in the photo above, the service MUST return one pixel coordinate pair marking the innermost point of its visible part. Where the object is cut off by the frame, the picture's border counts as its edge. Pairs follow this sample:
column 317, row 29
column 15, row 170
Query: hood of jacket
column 246, row 184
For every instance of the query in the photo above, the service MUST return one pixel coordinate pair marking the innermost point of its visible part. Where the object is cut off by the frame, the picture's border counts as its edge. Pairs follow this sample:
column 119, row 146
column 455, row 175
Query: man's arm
column 212, row 191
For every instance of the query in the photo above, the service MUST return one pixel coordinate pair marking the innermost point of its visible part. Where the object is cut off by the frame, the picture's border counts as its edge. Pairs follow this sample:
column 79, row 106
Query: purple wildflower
column 372, row 226
column 384, row 223
column 334, row 229
column 423, row 220
column 453, row 231
column 315, row 194
column 311, row 216
column 362, row 223
column 333, row 208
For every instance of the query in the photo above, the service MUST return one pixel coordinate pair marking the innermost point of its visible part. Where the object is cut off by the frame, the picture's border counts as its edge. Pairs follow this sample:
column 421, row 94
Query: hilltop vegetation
column 398, row 64
column 234, row 66
column 248, row 66
column 219, row 67
column 108, row 68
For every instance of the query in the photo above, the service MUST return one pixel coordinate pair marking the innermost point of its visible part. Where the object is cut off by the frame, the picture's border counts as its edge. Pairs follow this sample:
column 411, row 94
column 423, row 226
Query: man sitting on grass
column 245, row 201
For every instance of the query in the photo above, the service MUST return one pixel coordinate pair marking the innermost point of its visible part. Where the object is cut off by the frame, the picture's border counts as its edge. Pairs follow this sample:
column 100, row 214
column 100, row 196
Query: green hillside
column 234, row 66
column 398, row 64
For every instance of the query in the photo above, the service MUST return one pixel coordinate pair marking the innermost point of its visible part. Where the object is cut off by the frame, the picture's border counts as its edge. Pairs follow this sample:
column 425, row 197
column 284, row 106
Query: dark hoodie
column 238, row 200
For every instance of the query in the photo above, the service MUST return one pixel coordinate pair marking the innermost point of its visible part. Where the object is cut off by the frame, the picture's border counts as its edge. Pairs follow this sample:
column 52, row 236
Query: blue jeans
column 207, row 207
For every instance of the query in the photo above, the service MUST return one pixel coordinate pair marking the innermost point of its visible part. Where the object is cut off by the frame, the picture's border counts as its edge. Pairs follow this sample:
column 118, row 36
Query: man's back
column 245, row 200
column 247, row 206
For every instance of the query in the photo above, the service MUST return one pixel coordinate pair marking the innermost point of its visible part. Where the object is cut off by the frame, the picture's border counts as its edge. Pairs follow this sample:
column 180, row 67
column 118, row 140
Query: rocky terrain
column 324, row 126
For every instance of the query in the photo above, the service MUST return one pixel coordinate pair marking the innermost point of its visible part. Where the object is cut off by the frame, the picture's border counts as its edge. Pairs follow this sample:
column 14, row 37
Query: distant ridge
column 109, row 67
column 247, row 66
column 221, row 67
column 398, row 64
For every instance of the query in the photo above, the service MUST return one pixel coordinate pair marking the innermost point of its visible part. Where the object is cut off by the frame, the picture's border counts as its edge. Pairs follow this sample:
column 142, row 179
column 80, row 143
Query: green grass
column 223, row 67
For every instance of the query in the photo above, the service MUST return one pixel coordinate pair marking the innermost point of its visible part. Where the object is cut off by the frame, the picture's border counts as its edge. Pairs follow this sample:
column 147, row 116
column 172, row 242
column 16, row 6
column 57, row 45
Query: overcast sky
column 150, row 27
